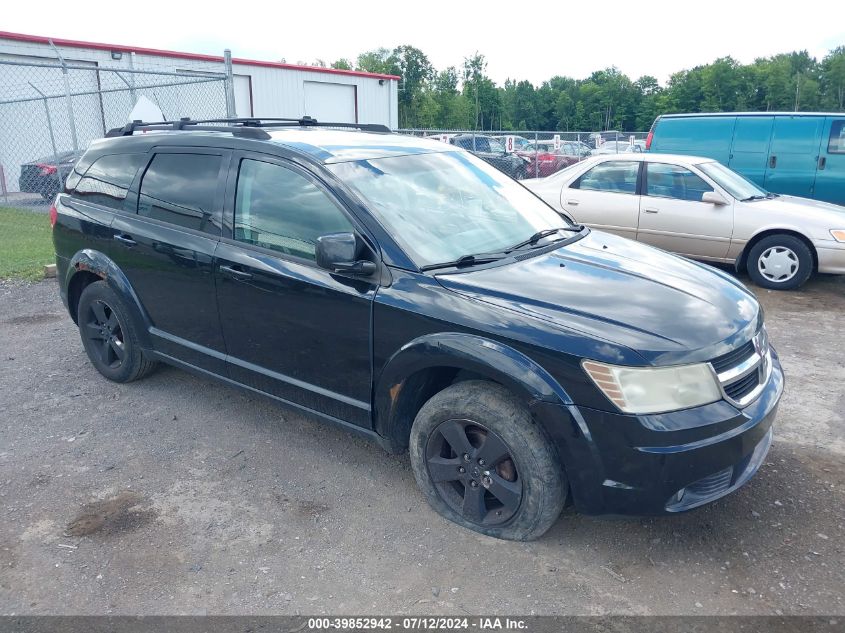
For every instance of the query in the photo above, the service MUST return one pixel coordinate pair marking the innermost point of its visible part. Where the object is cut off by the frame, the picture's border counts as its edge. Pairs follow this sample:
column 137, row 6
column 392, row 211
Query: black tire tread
column 140, row 365
column 505, row 414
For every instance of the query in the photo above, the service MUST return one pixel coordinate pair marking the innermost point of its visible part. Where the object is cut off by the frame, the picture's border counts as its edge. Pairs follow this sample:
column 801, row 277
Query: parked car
column 492, row 150
column 793, row 153
column 47, row 175
column 576, row 148
column 415, row 295
column 544, row 159
column 617, row 147
column 699, row 208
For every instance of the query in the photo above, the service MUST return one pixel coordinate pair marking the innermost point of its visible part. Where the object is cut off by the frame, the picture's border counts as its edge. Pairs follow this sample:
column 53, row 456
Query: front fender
column 488, row 358
column 98, row 263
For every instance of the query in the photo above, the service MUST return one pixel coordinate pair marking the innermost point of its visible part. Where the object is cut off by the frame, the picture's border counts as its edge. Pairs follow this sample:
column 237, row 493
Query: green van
column 793, row 153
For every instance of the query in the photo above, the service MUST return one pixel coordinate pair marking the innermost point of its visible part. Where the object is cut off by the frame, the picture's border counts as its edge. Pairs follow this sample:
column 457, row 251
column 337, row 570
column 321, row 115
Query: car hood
column 667, row 309
column 820, row 215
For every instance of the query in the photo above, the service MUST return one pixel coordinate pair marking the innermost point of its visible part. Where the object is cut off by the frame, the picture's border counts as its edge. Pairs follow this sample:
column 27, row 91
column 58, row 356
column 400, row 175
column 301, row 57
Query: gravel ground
column 179, row 495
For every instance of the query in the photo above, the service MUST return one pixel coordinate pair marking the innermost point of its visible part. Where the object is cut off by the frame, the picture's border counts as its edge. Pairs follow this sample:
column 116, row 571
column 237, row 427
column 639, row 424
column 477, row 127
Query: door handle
column 773, row 161
column 125, row 239
column 235, row 273
column 650, row 209
column 574, row 203
column 822, row 162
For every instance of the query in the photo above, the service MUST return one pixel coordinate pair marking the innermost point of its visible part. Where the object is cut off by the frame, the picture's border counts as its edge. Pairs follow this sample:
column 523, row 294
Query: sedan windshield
column 443, row 206
column 738, row 186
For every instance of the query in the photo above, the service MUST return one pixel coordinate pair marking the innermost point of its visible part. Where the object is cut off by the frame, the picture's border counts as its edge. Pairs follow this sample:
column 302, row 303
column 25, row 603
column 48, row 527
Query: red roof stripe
column 38, row 39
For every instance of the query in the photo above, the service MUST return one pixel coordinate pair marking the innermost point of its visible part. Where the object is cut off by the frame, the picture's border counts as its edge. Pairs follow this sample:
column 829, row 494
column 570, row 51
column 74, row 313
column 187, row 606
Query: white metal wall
column 276, row 92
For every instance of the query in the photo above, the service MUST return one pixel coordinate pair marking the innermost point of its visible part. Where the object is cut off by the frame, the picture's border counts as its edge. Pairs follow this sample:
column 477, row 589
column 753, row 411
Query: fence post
column 67, row 97
column 50, row 129
column 230, row 85
column 132, row 94
column 536, row 152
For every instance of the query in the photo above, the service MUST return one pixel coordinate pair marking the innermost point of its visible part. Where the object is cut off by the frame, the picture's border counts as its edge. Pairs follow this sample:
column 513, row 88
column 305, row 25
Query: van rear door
column 830, row 174
column 791, row 167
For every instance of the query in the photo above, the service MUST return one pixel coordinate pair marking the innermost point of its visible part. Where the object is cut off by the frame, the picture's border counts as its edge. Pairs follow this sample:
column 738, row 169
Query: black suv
column 408, row 291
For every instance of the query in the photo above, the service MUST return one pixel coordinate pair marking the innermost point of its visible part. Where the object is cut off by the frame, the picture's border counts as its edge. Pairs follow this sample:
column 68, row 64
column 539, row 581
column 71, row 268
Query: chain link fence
column 50, row 112
column 536, row 154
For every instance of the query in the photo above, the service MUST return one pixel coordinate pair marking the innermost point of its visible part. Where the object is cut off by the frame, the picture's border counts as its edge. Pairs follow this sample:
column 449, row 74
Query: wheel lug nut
column 473, row 484
column 481, row 462
column 461, row 469
column 466, row 457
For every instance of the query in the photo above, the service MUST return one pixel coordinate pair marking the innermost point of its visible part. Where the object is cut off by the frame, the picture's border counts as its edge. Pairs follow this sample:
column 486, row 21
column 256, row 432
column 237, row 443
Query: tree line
column 464, row 97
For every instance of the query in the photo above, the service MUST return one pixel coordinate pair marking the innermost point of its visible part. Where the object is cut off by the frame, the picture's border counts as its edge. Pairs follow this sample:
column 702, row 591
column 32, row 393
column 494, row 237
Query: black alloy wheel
column 474, row 472
column 104, row 329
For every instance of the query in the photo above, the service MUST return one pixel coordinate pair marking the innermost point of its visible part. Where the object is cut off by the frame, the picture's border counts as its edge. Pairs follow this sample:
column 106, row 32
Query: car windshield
column 496, row 145
column 442, row 206
column 738, row 186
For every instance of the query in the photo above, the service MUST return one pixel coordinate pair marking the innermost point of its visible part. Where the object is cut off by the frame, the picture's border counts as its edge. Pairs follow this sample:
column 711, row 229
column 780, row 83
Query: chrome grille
column 734, row 357
column 743, row 372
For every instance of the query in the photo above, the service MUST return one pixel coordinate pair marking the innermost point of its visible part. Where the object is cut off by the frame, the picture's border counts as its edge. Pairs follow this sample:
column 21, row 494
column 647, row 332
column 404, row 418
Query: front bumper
column 661, row 464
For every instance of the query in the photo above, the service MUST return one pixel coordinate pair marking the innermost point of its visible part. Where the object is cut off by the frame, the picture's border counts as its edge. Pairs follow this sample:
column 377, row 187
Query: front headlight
column 655, row 389
column 838, row 234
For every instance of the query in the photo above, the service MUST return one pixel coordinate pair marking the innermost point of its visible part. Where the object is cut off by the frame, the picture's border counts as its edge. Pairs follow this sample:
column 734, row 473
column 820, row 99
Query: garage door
column 243, row 95
column 330, row 102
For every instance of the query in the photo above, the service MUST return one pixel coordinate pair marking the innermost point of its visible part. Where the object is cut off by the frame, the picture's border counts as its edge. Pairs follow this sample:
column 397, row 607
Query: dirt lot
column 179, row 495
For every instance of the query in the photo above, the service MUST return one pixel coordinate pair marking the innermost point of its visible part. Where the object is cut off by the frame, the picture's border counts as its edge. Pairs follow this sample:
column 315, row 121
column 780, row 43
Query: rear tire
column 108, row 335
column 780, row 262
column 483, row 463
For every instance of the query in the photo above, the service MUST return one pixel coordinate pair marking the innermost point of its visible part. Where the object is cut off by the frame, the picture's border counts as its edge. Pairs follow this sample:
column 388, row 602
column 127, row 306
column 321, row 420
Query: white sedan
column 699, row 208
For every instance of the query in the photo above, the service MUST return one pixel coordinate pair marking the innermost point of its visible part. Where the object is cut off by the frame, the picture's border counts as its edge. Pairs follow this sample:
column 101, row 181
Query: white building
column 101, row 101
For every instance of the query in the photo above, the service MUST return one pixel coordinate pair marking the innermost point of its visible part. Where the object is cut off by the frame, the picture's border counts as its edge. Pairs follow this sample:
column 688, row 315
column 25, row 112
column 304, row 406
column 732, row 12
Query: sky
column 521, row 40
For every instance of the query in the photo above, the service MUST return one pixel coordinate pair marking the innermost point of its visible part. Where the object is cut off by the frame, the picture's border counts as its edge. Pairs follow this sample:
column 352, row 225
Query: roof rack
column 246, row 127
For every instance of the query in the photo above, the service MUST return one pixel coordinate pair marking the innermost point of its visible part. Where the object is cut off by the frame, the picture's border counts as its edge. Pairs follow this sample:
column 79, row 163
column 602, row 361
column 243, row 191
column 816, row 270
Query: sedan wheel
column 778, row 264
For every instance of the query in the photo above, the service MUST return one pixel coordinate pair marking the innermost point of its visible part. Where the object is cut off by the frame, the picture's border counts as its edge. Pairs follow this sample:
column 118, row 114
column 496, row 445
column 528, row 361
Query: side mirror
column 713, row 198
column 338, row 252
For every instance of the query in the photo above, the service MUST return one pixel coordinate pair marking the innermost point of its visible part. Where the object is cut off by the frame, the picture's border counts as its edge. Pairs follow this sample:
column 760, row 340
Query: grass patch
column 25, row 244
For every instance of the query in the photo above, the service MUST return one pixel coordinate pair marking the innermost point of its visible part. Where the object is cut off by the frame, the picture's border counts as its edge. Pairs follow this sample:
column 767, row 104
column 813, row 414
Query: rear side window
column 673, row 181
column 108, row 179
column 279, row 209
column 181, row 189
column 618, row 176
column 836, row 142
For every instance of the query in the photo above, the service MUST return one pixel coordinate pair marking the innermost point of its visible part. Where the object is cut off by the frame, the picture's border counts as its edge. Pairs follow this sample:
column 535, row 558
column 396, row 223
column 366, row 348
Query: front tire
column 482, row 462
column 108, row 335
column 780, row 262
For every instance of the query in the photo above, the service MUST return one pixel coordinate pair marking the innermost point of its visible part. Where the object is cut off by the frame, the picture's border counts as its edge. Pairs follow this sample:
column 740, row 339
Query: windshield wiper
column 467, row 260
column 751, row 198
column 541, row 234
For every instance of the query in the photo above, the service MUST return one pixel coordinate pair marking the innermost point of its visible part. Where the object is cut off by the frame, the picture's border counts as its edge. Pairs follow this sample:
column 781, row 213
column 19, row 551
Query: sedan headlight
column 838, row 234
column 655, row 389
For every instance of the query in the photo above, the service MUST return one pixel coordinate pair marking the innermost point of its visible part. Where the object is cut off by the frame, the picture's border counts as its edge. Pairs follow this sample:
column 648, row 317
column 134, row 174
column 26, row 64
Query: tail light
column 648, row 139
column 47, row 170
column 54, row 215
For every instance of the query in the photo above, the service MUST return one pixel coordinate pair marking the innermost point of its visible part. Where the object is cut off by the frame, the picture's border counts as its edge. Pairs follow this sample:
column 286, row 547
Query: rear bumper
column 662, row 464
column 831, row 257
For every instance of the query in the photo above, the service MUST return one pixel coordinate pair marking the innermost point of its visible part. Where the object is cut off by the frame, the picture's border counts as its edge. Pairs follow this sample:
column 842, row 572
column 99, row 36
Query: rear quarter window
column 106, row 182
